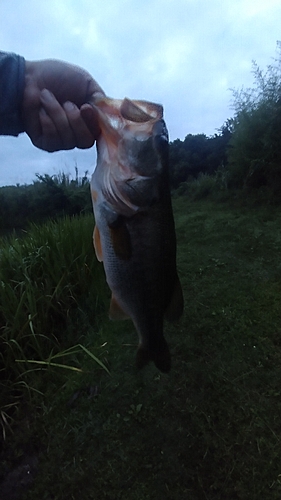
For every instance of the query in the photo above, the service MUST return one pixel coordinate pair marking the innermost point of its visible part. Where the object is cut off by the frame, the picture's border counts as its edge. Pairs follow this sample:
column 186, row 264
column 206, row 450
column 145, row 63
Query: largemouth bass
column 134, row 235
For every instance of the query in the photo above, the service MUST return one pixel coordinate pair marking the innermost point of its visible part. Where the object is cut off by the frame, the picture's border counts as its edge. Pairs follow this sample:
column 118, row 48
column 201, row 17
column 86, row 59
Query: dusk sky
column 184, row 54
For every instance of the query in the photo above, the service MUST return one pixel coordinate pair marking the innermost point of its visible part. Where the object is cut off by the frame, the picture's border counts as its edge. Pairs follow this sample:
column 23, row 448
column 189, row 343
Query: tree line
column 198, row 154
column 48, row 197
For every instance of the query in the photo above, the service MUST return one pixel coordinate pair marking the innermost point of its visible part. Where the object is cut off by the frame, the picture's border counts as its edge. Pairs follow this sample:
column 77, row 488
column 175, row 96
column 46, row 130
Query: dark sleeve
column 12, row 72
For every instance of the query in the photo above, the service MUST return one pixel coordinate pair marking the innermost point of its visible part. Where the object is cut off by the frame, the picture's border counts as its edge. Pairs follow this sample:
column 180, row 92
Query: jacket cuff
column 12, row 82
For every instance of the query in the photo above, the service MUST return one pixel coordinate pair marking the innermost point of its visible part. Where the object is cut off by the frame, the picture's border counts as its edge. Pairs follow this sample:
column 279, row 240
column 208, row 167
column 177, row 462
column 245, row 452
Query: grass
column 44, row 276
column 49, row 278
column 211, row 429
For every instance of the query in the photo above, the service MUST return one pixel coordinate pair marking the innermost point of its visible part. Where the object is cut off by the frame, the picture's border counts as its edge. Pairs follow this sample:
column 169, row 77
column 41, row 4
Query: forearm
column 12, row 82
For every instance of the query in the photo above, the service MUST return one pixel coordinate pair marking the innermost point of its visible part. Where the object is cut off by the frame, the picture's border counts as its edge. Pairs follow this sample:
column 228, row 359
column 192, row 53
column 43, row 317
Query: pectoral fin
column 115, row 311
column 121, row 242
column 97, row 244
column 175, row 308
column 119, row 234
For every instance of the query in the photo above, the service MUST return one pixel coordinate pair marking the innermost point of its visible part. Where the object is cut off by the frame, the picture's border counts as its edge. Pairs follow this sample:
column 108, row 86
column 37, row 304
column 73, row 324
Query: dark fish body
column 135, row 234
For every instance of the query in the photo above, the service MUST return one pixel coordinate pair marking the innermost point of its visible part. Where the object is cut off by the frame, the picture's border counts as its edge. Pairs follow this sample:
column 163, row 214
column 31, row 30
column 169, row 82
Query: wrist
column 31, row 95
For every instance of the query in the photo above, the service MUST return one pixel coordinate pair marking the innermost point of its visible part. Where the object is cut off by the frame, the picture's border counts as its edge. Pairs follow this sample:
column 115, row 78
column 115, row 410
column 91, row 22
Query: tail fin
column 161, row 357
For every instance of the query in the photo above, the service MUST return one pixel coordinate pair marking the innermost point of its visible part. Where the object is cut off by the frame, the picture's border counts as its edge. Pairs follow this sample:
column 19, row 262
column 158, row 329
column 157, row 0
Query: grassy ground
column 212, row 428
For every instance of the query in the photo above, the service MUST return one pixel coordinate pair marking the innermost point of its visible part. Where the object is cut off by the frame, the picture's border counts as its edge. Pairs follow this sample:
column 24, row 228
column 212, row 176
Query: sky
column 185, row 54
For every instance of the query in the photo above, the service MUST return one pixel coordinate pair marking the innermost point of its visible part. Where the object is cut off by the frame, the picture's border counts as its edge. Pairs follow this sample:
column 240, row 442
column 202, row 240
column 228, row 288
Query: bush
column 205, row 185
column 254, row 155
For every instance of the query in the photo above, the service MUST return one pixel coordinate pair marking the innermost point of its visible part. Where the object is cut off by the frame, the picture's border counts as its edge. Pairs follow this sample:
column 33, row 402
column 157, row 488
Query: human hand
column 54, row 109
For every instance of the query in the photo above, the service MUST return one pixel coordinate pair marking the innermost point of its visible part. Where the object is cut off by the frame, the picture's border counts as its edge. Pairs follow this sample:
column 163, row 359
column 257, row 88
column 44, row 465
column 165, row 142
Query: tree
column 48, row 197
column 255, row 153
column 198, row 154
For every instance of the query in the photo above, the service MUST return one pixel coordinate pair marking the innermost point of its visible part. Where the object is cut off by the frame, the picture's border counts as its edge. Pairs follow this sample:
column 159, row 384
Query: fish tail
column 161, row 357
column 162, row 360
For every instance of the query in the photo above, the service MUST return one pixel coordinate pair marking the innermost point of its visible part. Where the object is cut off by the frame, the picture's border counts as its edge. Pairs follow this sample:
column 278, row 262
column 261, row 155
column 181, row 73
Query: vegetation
column 49, row 279
column 210, row 429
column 45, row 277
column 47, row 198
column 244, row 159
column 254, row 155
column 198, row 154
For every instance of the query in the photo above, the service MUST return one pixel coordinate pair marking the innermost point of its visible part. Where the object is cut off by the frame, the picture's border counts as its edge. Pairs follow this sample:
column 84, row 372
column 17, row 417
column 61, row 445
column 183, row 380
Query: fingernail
column 69, row 106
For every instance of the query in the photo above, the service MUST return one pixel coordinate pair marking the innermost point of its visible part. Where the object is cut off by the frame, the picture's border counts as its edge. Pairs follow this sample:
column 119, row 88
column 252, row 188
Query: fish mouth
column 140, row 111
column 137, row 111
column 117, row 117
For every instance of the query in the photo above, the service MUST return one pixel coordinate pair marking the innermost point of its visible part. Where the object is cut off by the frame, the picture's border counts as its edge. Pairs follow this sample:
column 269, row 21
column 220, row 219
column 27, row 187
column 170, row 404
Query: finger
column 49, row 139
column 90, row 116
column 83, row 136
column 58, row 116
column 30, row 113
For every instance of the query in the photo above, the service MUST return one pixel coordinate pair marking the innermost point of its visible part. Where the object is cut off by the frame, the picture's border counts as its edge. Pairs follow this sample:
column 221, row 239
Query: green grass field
column 209, row 430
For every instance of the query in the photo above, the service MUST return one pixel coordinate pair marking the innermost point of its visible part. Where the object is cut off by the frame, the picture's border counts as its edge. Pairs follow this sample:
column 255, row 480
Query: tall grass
column 47, row 277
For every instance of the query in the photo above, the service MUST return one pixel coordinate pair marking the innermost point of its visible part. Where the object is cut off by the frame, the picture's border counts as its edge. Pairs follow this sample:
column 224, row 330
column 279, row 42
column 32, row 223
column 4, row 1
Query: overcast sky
column 184, row 54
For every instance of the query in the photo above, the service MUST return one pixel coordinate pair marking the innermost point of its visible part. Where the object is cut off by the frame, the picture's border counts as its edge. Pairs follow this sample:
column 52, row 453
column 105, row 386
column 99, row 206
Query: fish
column 134, row 235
